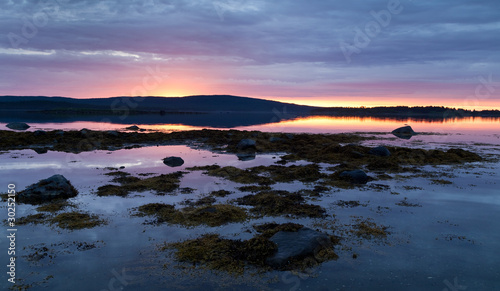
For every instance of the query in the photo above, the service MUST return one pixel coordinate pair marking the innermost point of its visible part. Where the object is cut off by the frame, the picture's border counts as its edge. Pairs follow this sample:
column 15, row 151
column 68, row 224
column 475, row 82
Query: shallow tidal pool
column 442, row 224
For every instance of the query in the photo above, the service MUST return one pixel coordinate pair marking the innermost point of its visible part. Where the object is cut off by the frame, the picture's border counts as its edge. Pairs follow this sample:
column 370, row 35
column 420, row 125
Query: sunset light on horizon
column 380, row 53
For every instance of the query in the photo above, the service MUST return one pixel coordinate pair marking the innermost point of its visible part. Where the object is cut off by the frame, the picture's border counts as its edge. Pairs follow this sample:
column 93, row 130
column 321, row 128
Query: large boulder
column 246, row 144
column 55, row 187
column 405, row 132
column 355, row 176
column 296, row 244
column 18, row 126
column 173, row 161
column 380, row 151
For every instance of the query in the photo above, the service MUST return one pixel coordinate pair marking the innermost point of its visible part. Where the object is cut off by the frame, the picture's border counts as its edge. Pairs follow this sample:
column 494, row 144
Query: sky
column 315, row 52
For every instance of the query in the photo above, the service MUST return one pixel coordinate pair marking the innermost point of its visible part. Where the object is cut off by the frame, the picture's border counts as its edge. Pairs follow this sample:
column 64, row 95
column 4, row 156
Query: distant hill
column 212, row 104
column 190, row 104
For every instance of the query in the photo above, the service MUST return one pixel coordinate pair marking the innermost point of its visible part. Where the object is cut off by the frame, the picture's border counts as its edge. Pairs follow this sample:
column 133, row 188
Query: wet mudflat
column 420, row 217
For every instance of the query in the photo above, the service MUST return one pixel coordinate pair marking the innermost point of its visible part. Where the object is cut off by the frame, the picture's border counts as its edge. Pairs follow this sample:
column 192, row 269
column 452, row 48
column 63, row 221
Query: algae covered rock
column 380, row 151
column 355, row 176
column 18, row 126
column 55, row 187
column 246, row 144
column 173, row 161
column 296, row 244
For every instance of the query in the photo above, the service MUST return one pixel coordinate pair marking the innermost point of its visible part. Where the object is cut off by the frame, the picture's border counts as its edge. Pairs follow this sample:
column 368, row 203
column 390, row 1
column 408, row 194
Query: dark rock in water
column 245, row 144
column 380, row 151
column 173, row 161
column 40, row 133
column 246, row 156
column 84, row 131
column 18, row 126
column 296, row 244
column 55, row 187
column 40, row 150
column 355, row 176
column 405, row 132
column 275, row 139
column 113, row 132
column 133, row 127
column 59, row 132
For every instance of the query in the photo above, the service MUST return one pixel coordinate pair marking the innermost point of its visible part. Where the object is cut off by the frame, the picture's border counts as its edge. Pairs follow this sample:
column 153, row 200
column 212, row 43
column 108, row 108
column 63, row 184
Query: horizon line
column 274, row 99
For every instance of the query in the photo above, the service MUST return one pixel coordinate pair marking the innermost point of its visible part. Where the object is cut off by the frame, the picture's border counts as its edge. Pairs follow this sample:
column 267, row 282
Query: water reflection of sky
column 418, row 255
column 469, row 129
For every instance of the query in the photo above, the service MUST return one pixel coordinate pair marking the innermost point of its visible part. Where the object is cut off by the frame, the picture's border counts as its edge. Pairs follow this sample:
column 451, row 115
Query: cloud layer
column 404, row 51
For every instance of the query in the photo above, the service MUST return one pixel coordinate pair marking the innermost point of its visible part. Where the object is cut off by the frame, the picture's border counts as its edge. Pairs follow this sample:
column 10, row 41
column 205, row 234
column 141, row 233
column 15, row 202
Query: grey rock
column 59, row 132
column 40, row 133
column 133, row 127
column 405, row 132
column 380, row 151
column 296, row 244
column 275, row 139
column 84, row 131
column 173, row 161
column 113, row 132
column 245, row 144
column 246, row 156
column 18, row 126
column 355, row 176
column 55, row 187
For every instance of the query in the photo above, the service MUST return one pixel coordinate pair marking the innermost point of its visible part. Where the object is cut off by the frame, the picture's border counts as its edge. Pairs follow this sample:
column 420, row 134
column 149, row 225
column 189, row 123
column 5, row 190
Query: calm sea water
column 450, row 243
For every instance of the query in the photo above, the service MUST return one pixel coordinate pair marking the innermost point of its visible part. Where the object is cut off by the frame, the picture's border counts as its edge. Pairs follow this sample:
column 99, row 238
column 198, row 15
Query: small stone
column 18, row 126
column 173, row 161
column 355, row 176
column 246, row 156
column 405, row 132
column 133, row 127
column 246, row 144
column 380, row 151
column 40, row 133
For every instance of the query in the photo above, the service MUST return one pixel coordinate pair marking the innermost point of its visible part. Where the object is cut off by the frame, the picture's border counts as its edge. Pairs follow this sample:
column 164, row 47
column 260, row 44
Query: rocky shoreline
column 348, row 165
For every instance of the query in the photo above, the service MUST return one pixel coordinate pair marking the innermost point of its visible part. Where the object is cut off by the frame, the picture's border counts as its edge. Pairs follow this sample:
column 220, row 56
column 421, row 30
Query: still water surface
column 451, row 242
